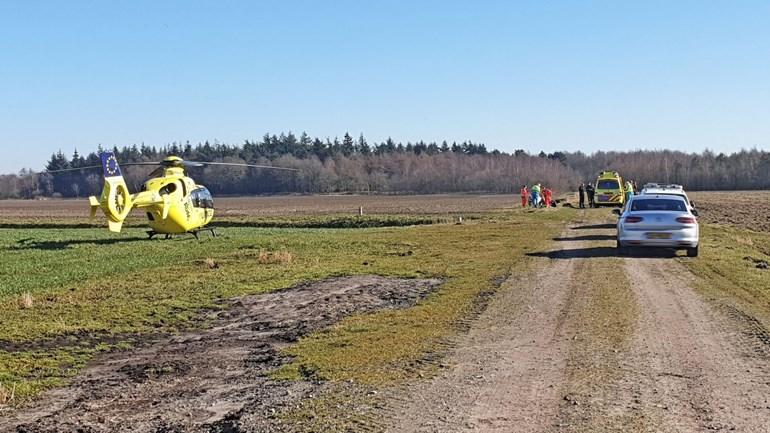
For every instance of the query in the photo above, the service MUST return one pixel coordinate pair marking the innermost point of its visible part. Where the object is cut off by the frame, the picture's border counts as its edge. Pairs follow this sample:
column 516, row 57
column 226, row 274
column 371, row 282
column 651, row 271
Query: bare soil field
column 290, row 205
column 747, row 209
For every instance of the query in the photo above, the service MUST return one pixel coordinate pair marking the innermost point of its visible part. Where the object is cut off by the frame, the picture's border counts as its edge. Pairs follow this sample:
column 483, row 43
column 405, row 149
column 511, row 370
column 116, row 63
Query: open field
column 747, row 209
column 292, row 205
column 512, row 318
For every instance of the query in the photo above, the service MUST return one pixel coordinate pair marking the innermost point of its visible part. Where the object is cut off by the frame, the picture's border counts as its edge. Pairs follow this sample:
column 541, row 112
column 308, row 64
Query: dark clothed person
column 582, row 196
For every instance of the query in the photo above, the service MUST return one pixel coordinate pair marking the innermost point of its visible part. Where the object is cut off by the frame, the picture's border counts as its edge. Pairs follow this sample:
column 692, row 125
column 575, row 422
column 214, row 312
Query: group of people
column 539, row 196
column 583, row 191
column 536, row 196
column 589, row 190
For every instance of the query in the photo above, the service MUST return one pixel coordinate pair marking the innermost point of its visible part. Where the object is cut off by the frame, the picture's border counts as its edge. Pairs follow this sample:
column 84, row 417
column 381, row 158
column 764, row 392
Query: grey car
column 663, row 221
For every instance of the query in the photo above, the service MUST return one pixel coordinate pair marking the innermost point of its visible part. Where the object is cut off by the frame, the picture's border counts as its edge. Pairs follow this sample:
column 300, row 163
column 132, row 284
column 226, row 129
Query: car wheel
column 622, row 251
column 692, row 252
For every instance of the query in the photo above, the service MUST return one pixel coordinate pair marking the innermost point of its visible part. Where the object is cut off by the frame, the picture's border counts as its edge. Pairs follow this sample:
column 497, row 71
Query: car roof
column 663, row 191
column 655, row 185
column 663, row 196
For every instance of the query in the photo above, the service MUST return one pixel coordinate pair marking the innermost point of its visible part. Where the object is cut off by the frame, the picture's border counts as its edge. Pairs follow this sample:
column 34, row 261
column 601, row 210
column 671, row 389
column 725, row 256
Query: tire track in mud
column 214, row 380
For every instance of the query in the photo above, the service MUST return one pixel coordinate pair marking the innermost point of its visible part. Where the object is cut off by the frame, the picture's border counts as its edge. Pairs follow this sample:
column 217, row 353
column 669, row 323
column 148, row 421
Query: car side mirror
column 616, row 212
column 695, row 212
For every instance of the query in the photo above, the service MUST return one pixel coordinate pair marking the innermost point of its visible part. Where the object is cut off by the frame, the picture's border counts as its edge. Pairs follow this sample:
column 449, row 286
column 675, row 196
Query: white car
column 668, row 189
column 660, row 220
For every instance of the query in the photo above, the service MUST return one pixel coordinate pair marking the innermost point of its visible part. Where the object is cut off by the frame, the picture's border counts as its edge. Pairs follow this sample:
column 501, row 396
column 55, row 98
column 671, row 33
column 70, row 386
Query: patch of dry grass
column 7, row 396
column 210, row 263
column 26, row 300
column 275, row 257
column 744, row 240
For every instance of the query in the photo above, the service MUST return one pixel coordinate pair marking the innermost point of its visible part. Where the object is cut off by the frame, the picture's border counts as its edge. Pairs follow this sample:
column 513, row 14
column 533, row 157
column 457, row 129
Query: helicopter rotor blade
column 185, row 163
column 91, row 167
column 235, row 164
column 192, row 164
column 63, row 170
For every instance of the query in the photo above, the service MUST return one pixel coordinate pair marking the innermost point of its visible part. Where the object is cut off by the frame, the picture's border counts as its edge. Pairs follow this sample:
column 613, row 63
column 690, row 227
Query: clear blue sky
column 536, row 75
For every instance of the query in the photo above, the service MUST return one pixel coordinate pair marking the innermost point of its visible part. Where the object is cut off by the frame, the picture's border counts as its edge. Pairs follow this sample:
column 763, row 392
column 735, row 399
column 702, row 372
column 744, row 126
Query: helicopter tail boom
column 152, row 199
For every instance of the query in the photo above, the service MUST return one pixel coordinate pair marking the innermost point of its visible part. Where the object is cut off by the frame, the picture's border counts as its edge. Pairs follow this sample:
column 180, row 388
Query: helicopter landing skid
column 153, row 233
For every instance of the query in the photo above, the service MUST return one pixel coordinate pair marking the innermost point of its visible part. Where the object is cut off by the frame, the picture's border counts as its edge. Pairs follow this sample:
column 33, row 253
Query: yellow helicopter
column 174, row 203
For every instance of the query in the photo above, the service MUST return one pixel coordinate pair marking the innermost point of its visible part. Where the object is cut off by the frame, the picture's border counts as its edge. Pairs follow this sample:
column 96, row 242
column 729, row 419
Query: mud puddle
column 208, row 381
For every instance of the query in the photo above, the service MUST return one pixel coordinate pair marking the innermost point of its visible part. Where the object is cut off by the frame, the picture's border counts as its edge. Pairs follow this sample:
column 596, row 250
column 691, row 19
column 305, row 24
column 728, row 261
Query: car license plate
column 658, row 235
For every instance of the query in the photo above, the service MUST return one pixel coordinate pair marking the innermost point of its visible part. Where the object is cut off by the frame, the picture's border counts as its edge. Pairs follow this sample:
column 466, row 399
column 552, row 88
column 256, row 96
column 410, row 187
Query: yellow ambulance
column 609, row 189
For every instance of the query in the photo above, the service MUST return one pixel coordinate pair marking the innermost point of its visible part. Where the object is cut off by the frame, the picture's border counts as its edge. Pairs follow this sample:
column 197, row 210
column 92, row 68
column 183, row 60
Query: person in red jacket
column 524, row 196
column 547, row 194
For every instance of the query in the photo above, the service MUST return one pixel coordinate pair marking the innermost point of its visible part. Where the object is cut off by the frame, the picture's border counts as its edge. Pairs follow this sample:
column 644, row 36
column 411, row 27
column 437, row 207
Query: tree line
column 352, row 165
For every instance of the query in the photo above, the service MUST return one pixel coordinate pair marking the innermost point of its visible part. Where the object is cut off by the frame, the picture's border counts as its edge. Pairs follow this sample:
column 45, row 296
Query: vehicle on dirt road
column 609, row 189
column 668, row 189
column 663, row 221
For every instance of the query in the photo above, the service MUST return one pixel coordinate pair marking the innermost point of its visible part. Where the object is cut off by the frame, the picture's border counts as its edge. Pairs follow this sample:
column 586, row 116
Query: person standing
column 590, row 191
column 582, row 195
column 629, row 190
column 524, row 196
column 535, row 195
column 547, row 196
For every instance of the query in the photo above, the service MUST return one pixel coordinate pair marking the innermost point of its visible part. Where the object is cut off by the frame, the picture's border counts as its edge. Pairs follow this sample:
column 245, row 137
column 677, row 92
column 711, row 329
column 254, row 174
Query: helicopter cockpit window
column 167, row 189
column 201, row 197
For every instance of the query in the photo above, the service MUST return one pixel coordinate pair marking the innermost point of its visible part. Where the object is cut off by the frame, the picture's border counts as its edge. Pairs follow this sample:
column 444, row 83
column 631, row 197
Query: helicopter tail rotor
column 116, row 201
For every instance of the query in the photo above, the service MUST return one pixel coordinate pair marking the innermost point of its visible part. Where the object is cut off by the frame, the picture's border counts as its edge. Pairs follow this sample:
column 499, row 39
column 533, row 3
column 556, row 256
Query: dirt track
column 530, row 365
column 215, row 380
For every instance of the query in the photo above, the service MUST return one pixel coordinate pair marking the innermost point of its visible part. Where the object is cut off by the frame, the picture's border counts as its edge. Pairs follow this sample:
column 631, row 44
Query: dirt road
column 588, row 342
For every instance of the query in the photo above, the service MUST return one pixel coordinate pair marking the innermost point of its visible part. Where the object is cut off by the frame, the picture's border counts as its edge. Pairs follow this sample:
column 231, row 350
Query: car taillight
column 686, row 220
column 633, row 219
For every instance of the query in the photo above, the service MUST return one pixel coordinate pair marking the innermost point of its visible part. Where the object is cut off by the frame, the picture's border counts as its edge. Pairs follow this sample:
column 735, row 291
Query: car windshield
column 658, row 204
column 607, row 184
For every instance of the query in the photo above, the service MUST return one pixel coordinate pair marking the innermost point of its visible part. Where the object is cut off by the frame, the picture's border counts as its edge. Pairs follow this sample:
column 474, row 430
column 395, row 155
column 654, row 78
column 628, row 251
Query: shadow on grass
column 578, row 253
column 63, row 225
column 595, row 227
column 333, row 223
column 591, row 252
column 587, row 238
column 31, row 244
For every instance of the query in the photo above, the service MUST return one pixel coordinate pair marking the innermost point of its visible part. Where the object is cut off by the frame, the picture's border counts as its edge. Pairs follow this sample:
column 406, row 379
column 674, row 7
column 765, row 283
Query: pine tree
column 363, row 146
column 348, row 147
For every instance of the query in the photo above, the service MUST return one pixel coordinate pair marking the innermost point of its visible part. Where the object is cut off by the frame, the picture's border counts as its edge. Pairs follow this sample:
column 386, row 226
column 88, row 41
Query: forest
column 352, row 165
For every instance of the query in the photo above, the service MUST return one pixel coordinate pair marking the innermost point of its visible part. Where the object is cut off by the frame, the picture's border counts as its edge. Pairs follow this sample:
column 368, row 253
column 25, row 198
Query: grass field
column 68, row 293
column 70, row 290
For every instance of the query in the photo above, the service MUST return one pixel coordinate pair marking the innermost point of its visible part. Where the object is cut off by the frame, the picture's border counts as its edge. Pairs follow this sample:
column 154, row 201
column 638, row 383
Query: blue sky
column 551, row 75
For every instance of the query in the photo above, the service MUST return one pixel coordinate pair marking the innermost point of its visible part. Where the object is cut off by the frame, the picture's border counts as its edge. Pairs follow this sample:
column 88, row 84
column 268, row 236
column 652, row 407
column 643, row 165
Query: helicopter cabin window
column 167, row 189
column 201, row 197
